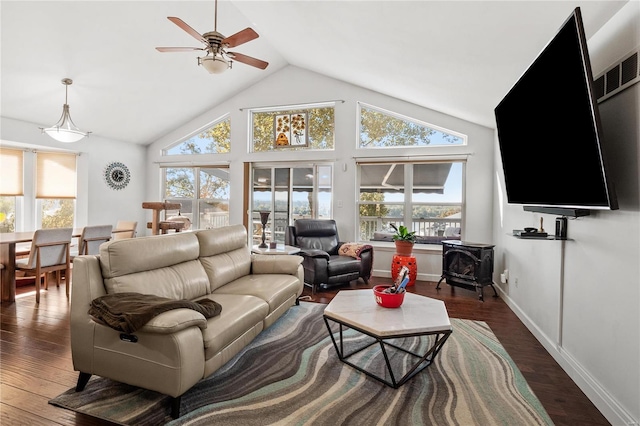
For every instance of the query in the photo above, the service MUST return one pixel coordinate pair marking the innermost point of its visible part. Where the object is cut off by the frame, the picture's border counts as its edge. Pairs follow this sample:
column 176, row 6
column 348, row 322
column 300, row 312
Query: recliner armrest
column 315, row 253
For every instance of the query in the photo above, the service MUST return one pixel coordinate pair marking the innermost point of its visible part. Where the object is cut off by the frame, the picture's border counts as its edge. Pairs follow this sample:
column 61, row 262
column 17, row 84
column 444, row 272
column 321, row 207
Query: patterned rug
column 290, row 375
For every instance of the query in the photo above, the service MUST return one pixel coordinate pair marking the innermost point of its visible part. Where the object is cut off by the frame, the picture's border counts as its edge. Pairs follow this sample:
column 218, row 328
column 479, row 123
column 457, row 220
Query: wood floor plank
column 40, row 330
column 59, row 358
column 34, row 405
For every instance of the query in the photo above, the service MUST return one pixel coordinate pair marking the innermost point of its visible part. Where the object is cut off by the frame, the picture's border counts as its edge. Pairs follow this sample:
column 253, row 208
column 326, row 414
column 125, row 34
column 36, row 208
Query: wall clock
column 117, row 175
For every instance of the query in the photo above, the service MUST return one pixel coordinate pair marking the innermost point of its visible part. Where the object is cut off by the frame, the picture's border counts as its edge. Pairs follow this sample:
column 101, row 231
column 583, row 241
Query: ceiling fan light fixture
column 65, row 129
column 215, row 64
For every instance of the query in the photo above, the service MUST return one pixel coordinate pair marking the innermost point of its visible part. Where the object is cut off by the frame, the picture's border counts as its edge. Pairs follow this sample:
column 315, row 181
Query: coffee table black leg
column 433, row 351
column 424, row 361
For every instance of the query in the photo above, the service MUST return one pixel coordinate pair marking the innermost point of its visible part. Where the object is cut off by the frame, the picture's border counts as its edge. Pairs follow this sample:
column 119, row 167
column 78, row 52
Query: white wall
column 298, row 86
column 587, row 315
column 96, row 204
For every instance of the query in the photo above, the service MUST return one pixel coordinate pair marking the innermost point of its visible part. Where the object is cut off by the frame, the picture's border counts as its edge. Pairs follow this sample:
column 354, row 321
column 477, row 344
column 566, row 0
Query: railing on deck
column 210, row 220
column 433, row 226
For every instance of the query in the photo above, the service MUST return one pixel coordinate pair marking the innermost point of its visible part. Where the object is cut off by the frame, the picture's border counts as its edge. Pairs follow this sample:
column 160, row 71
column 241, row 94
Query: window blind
column 55, row 175
column 11, row 164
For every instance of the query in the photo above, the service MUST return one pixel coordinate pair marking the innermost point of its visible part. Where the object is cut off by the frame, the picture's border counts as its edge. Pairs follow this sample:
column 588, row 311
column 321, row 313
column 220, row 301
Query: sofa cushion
column 221, row 240
column 224, row 254
column 239, row 314
column 275, row 289
column 224, row 268
column 341, row 265
column 122, row 257
column 186, row 280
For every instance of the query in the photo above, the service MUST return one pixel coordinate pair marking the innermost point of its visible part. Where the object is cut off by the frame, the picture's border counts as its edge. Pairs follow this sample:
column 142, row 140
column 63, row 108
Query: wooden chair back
column 92, row 237
column 124, row 229
column 50, row 251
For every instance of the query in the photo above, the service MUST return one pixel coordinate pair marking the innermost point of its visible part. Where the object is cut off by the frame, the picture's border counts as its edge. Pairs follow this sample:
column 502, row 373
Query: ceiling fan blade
column 240, row 37
column 179, row 22
column 248, row 60
column 177, row 49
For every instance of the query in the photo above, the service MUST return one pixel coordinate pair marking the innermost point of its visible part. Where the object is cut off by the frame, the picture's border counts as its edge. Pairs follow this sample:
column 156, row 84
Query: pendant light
column 65, row 129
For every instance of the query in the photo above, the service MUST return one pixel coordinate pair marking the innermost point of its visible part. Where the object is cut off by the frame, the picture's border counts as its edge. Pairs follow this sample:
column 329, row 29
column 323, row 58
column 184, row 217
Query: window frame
column 408, row 203
column 210, row 125
column 402, row 117
column 283, row 109
column 196, row 170
column 316, row 187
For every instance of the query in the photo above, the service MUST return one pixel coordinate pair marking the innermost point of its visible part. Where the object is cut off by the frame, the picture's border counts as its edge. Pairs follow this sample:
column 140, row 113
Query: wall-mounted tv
column 550, row 134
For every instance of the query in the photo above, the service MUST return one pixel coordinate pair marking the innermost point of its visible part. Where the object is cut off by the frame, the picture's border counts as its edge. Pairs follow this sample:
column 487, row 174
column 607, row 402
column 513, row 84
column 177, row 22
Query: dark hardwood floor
column 35, row 355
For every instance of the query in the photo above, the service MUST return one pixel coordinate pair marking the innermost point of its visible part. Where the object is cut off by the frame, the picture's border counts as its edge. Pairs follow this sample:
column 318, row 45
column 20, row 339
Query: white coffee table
column 280, row 249
column 418, row 316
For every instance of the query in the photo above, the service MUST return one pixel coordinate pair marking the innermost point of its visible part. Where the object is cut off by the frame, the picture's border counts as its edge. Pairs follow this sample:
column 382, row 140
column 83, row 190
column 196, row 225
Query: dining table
column 8, row 243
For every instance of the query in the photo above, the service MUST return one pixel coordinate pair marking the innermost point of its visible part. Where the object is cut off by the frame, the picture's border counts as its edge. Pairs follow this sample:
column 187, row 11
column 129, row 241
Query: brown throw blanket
column 128, row 312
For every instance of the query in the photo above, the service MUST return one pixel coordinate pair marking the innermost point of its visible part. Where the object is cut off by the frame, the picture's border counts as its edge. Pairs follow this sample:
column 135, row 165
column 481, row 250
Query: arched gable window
column 215, row 139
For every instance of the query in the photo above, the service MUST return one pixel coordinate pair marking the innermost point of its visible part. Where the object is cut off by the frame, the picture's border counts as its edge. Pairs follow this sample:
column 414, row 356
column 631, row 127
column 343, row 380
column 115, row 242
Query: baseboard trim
column 604, row 402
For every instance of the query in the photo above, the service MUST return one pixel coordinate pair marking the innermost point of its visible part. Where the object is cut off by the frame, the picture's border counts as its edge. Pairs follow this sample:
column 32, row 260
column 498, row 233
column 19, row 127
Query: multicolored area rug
column 290, row 375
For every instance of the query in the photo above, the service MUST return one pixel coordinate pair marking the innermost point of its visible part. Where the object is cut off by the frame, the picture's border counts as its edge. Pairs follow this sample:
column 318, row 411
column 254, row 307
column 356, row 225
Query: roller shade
column 55, row 175
column 11, row 164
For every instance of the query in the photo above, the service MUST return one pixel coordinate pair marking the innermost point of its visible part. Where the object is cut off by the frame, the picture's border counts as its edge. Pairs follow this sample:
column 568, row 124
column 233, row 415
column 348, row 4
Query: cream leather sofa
column 178, row 348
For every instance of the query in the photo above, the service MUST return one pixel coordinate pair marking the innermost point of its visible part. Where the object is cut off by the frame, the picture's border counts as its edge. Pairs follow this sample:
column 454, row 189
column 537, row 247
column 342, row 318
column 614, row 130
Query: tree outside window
column 426, row 197
column 7, row 214
column 203, row 193
column 380, row 129
column 320, row 128
column 215, row 140
column 57, row 213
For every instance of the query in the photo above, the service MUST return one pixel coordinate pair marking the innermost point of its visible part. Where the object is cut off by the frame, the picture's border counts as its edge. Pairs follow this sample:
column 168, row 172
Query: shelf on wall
column 548, row 237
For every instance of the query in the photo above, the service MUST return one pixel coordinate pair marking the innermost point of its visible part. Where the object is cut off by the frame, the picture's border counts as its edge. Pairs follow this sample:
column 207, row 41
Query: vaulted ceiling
column 457, row 57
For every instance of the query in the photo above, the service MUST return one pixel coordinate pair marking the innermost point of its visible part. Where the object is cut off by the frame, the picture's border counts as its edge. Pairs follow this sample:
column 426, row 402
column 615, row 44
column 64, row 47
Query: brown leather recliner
column 323, row 265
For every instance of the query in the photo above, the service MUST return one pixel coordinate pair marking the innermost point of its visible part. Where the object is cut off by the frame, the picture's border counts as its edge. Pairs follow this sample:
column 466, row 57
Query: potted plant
column 404, row 240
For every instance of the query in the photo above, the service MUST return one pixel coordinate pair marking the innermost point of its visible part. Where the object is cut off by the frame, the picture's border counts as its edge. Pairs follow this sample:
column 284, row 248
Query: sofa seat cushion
column 275, row 289
column 239, row 314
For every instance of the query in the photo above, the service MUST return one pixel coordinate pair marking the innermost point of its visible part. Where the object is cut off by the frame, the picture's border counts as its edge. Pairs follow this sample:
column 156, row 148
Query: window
column 203, row 193
column 7, row 214
column 384, row 129
column 427, row 197
column 320, row 127
column 289, row 192
column 55, row 189
column 11, row 164
column 56, row 213
column 214, row 140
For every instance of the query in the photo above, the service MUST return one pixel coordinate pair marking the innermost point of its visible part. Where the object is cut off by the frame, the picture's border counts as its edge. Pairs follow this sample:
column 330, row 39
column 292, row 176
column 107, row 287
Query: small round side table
column 410, row 262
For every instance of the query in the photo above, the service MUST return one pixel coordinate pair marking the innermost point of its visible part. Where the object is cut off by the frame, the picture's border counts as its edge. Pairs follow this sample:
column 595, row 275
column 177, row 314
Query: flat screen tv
column 550, row 134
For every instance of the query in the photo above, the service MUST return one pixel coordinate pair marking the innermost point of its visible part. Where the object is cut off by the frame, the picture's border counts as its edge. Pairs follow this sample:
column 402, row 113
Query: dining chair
column 124, row 229
column 49, row 252
column 90, row 240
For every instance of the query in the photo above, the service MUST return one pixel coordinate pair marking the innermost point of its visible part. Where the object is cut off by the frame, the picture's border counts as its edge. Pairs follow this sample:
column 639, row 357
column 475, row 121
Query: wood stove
column 467, row 265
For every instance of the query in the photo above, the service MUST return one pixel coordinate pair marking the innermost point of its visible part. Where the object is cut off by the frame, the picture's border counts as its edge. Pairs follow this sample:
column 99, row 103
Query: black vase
column 264, row 218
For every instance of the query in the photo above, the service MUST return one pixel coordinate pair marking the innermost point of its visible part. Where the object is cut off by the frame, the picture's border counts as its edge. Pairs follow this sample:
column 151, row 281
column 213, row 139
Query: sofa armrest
column 314, row 253
column 175, row 320
column 280, row 264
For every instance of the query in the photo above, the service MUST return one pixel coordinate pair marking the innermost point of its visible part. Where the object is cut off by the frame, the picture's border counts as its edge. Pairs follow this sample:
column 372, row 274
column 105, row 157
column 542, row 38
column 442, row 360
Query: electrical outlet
column 515, row 281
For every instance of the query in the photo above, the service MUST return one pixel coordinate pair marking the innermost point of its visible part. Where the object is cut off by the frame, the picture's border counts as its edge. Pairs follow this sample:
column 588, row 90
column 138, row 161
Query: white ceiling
column 457, row 57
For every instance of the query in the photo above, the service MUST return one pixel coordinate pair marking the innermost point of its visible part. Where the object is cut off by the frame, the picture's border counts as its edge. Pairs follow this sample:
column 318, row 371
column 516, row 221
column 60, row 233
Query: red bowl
column 387, row 300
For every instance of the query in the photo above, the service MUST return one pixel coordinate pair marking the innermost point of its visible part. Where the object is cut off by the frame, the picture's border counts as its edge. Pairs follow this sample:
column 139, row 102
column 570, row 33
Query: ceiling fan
column 217, row 59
